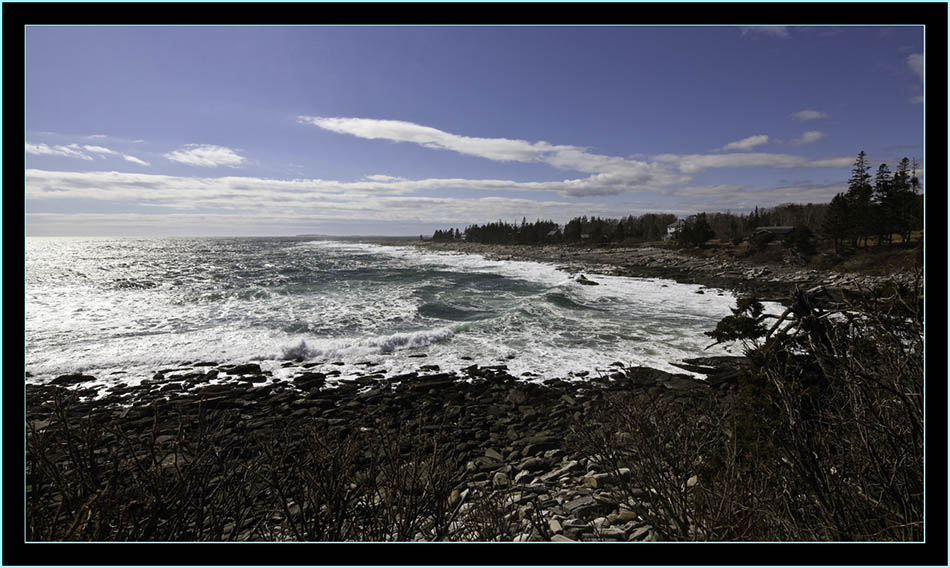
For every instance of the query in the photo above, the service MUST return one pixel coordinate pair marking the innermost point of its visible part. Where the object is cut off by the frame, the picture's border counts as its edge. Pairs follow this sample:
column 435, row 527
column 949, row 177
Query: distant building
column 674, row 228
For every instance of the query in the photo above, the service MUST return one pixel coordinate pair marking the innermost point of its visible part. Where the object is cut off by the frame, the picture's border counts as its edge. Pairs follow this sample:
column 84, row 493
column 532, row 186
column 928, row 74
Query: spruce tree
column 835, row 225
column 905, row 200
column 859, row 198
column 884, row 205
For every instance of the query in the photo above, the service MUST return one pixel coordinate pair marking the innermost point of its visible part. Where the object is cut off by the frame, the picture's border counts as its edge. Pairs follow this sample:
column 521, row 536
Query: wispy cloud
column 609, row 174
column 383, row 177
column 135, row 160
column 916, row 100
column 71, row 151
column 82, row 152
column 695, row 163
column 916, row 63
column 807, row 138
column 771, row 31
column 809, row 114
column 110, row 152
column 314, row 199
column 747, row 143
column 99, row 150
column 206, row 155
column 739, row 198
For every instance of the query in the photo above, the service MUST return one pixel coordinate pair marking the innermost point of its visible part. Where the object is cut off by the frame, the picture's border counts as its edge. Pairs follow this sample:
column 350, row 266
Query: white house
column 674, row 228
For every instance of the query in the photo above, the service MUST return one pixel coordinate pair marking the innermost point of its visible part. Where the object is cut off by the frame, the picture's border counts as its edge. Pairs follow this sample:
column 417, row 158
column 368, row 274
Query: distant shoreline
column 770, row 282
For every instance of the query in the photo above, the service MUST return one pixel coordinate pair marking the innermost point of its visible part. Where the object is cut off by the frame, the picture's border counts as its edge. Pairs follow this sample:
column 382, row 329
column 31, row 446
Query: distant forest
column 881, row 207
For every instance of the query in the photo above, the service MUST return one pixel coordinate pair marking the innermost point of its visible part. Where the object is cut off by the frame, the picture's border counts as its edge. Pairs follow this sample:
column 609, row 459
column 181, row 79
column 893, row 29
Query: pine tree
column 835, row 224
column 905, row 200
column 883, row 204
column 859, row 197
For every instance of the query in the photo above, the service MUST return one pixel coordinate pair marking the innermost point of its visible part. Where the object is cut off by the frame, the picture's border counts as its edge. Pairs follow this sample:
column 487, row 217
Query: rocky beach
column 509, row 444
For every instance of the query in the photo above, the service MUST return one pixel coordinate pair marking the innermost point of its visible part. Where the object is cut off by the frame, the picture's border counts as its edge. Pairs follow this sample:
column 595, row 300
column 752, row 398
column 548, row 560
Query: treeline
column 891, row 205
column 696, row 229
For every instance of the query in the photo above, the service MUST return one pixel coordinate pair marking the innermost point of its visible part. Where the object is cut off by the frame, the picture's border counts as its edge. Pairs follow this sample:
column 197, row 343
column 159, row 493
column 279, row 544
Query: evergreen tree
column 906, row 210
column 884, row 206
column 859, row 198
column 835, row 225
column 695, row 232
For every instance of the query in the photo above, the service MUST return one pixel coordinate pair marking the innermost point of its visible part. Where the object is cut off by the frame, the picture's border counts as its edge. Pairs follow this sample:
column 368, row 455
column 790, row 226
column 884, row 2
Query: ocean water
column 120, row 309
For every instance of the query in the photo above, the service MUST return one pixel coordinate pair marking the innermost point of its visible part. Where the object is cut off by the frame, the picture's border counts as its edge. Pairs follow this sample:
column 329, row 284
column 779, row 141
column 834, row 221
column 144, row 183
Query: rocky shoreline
column 768, row 282
column 510, row 440
column 517, row 470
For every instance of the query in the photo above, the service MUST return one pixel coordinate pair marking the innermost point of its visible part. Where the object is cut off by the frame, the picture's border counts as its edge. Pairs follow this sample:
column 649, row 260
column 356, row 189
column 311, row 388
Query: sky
column 401, row 130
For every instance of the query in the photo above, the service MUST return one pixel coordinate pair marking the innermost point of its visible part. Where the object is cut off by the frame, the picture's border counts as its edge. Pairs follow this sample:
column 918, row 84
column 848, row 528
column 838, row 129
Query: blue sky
column 142, row 131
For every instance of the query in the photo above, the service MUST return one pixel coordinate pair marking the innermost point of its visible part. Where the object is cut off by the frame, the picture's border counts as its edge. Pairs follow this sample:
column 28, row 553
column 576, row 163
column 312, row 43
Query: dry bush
column 92, row 479
column 388, row 484
column 822, row 440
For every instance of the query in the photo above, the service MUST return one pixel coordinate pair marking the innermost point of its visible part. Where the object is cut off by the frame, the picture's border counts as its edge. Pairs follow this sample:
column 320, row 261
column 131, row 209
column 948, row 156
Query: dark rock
column 583, row 280
column 683, row 383
column 646, row 375
column 516, row 396
column 254, row 378
column 543, row 445
column 248, row 369
column 71, row 379
column 309, row 380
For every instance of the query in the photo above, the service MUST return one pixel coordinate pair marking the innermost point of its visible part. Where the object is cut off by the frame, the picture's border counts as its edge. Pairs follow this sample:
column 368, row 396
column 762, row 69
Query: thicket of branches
column 822, row 438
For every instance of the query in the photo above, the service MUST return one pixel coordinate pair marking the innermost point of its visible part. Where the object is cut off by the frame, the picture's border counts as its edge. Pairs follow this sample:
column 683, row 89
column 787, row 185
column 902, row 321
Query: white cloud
column 772, row 31
column 842, row 162
column 382, row 177
column 234, row 191
column 135, row 160
column 807, row 138
column 809, row 114
column 740, row 198
column 747, row 143
column 916, row 63
column 99, row 150
column 206, row 155
column 80, row 151
column 695, row 163
column 71, row 151
column 499, row 149
column 608, row 173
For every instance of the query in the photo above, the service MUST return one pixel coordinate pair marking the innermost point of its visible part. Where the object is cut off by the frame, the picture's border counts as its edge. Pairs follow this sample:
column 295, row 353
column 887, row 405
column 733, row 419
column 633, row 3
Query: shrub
column 822, row 439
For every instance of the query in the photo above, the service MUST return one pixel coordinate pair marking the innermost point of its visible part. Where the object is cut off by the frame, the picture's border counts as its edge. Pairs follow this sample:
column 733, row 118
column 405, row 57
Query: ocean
column 122, row 308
